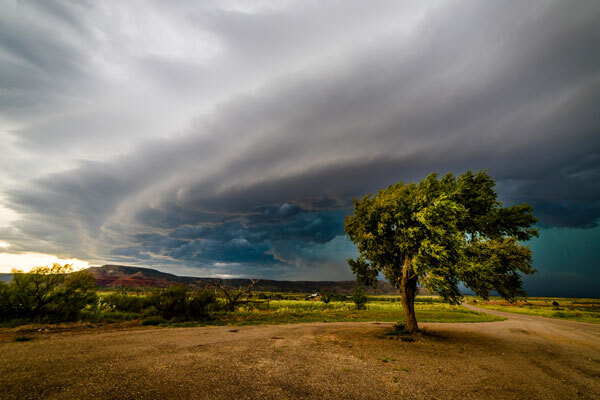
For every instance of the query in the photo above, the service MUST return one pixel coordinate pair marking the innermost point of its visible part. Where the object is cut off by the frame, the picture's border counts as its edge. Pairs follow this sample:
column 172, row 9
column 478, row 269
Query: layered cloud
column 231, row 138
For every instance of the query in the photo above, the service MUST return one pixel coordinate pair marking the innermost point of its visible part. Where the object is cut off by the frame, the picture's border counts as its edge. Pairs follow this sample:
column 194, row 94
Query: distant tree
column 235, row 297
column 326, row 298
column 359, row 297
column 338, row 297
column 441, row 232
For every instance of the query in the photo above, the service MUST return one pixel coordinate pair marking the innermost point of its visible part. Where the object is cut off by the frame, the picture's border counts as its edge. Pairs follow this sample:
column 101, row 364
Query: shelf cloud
column 230, row 137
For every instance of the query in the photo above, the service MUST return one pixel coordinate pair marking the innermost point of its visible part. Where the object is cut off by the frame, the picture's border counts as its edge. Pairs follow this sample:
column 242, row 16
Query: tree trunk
column 408, row 289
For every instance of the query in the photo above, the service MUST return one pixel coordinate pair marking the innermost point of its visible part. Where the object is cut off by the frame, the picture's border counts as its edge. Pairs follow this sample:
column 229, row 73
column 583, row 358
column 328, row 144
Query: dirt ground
column 521, row 358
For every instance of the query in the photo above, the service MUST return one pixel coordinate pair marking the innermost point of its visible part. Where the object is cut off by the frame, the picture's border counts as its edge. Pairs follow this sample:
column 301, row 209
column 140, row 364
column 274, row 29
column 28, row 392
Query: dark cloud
column 233, row 140
column 130, row 253
column 282, row 235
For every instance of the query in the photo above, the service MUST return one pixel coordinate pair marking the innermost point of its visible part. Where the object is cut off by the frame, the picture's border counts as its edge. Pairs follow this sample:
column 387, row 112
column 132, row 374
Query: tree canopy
column 47, row 294
column 440, row 232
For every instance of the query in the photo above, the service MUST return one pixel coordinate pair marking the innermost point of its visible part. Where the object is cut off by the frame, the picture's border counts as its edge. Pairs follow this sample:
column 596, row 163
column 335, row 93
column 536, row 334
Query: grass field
column 582, row 310
column 136, row 307
column 297, row 311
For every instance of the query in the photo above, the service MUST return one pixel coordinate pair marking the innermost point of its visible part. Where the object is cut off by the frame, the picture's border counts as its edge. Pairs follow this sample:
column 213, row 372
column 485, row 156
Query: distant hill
column 124, row 276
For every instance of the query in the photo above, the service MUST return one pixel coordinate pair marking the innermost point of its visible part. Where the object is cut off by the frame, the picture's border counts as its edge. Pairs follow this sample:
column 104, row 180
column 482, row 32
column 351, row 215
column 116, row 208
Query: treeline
column 57, row 294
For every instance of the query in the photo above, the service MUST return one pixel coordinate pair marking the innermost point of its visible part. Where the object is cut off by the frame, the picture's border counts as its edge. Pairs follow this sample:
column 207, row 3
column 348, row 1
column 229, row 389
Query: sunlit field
column 294, row 311
column 583, row 310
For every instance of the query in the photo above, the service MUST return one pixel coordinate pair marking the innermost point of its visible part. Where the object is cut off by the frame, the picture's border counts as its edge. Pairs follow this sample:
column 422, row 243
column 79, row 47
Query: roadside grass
column 582, row 310
column 293, row 309
column 299, row 311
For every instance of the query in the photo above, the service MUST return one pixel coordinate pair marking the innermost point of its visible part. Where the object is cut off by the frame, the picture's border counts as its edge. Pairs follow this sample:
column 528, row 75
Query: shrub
column 338, row 297
column 555, row 303
column 128, row 303
column 178, row 302
column 149, row 312
column 359, row 298
column 171, row 302
column 200, row 303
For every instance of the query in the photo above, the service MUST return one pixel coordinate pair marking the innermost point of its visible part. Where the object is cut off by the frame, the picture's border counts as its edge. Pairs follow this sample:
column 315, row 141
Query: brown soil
column 521, row 358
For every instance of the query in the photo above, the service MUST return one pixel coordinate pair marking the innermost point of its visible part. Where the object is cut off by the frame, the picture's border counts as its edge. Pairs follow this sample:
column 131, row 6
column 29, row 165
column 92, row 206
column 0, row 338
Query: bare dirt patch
column 337, row 360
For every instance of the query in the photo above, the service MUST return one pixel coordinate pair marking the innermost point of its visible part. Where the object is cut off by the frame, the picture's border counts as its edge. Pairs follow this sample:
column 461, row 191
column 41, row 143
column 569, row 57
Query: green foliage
column 180, row 302
column 359, row 298
column 201, row 302
column 363, row 271
column 128, row 303
column 47, row 294
column 450, row 230
column 440, row 232
column 338, row 297
column 149, row 312
column 326, row 298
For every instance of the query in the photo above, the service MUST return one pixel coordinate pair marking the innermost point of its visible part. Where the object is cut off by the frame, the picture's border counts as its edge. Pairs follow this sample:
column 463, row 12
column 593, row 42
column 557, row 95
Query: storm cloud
column 230, row 137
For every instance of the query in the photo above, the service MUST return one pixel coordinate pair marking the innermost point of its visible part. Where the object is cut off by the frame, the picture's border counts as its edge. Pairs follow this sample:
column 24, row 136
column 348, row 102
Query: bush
column 200, row 303
column 338, row 297
column 149, row 312
column 359, row 298
column 178, row 302
column 127, row 303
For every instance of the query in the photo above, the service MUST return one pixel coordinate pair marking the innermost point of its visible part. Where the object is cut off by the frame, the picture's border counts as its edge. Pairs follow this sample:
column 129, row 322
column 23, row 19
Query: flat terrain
column 582, row 310
column 522, row 357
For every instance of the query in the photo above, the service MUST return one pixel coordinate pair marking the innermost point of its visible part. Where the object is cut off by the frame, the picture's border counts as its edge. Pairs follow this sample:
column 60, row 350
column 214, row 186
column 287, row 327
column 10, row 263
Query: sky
column 227, row 138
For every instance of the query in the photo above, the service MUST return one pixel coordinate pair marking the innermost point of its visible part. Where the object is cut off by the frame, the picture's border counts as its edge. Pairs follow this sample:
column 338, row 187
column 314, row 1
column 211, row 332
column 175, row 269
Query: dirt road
column 520, row 358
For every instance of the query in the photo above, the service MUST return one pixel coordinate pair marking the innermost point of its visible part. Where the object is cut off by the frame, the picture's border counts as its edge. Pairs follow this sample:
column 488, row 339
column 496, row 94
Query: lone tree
column 441, row 232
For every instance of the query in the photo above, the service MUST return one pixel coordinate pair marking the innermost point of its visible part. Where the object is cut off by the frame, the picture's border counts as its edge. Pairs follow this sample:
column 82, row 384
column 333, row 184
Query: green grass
column 582, row 310
column 396, row 299
column 299, row 311
column 293, row 310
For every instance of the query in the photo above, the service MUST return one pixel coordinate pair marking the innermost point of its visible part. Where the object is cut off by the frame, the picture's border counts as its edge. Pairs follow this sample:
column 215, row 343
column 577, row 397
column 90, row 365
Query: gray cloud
column 236, row 139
